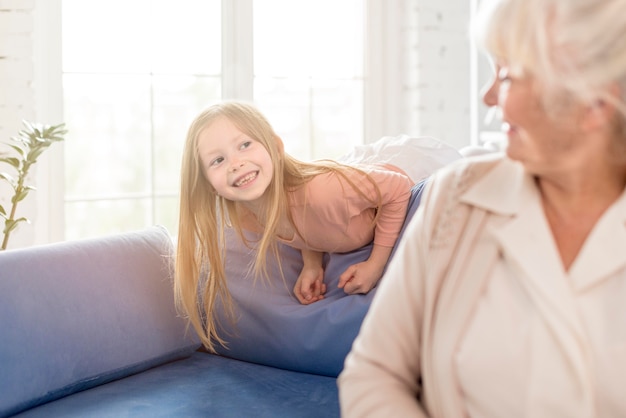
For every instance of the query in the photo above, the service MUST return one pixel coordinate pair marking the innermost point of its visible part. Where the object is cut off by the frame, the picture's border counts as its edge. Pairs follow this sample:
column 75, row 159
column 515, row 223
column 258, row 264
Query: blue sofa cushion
column 203, row 385
column 273, row 328
column 74, row 315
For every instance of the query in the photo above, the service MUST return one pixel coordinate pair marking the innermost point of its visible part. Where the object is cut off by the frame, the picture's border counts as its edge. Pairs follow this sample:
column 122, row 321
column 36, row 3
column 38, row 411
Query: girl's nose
column 237, row 165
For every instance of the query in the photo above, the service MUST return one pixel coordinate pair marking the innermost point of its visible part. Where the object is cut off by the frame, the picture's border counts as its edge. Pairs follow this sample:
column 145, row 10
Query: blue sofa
column 88, row 328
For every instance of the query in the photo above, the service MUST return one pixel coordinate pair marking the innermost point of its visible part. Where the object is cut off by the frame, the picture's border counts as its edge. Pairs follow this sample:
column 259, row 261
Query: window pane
column 101, row 217
column 315, row 118
column 135, row 75
column 286, row 104
column 140, row 36
column 166, row 213
column 105, row 36
column 186, row 36
column 177, row 100
column 322, row 38
column 337, row 117
column 107, row 148
column 309, row 73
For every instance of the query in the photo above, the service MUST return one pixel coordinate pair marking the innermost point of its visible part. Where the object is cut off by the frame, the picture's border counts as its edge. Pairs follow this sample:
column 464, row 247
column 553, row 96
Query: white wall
column 17, row 98
column 428, row 71
column 438, row 88
column 426, row 55
column 30, row 83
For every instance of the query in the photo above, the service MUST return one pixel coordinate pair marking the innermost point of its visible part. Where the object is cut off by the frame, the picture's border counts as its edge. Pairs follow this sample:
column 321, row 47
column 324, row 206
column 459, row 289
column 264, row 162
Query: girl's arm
column 310, row 285
column 395, row 192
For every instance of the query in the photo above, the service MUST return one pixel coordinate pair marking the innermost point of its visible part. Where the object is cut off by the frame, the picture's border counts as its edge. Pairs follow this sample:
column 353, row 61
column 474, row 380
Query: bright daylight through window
column 136, row 72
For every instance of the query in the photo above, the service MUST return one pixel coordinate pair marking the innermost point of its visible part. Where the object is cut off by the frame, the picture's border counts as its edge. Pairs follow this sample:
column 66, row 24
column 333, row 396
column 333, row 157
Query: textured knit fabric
column 333, row 216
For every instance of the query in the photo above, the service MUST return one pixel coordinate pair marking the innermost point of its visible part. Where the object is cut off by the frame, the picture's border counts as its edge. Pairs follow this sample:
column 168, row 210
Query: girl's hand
column 310, row 285
column 360, row 277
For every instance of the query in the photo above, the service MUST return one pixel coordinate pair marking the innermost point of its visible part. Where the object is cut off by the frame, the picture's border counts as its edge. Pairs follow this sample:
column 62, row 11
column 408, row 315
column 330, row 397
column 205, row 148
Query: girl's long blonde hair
column 200, row 279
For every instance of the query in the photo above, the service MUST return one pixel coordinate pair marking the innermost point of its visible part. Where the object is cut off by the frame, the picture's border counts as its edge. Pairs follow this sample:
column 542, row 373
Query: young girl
column 235, row 173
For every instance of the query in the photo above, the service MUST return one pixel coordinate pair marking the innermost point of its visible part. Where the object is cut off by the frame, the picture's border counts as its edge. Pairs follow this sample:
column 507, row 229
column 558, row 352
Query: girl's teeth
column 246, row 179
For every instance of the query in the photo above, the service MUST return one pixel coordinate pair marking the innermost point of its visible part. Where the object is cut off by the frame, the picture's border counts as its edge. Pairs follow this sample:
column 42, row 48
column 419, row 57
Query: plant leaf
column 32, row 141
column 8, row 178
column 18, row 197
column 25, row 138
column 35, row 153
column 29, row 125
column 12, row 161
column 20, row 140
column 10, row 225
column 19, row 150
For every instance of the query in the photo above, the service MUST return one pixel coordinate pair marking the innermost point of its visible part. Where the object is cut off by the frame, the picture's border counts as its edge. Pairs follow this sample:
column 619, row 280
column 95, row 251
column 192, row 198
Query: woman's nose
column 490, row 93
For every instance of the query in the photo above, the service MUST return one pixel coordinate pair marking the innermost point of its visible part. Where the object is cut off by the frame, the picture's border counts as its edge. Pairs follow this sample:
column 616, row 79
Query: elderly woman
column 507, row 297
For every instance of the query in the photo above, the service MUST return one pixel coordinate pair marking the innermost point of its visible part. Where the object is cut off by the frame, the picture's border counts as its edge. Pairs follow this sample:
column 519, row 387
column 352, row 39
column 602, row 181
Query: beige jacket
column 413, row 328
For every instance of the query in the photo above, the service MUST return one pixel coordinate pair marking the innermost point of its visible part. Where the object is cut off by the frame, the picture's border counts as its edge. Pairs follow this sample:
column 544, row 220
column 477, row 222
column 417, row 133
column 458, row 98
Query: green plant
column 29, row 144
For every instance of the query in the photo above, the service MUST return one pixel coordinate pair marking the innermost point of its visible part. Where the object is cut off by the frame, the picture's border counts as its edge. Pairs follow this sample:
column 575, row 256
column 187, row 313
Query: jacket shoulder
column 457, row 177
column 446, row 213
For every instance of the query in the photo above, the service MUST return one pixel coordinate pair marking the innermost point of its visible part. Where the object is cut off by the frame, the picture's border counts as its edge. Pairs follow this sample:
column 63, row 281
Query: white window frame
column 237, row 53
column 383, row 96
column 382, row 91
column 48, row 88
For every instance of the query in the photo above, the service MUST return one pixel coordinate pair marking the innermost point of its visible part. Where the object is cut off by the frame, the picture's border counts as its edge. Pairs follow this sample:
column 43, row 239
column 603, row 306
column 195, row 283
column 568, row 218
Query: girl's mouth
column 246, row 179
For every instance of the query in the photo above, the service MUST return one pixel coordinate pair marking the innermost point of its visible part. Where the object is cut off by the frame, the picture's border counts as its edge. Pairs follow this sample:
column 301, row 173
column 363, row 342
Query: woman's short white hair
column 577, row 47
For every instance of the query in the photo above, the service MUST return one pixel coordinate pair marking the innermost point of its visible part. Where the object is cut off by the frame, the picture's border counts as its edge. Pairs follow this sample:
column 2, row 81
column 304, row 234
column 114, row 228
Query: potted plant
column 29, row 144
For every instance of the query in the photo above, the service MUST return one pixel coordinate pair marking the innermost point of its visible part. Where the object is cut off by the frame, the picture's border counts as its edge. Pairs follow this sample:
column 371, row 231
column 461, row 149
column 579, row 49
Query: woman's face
column 238, row 167
column 540, row 141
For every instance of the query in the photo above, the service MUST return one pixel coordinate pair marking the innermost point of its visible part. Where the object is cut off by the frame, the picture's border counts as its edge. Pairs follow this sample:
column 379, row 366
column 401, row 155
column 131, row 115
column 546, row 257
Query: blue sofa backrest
column 74, row 315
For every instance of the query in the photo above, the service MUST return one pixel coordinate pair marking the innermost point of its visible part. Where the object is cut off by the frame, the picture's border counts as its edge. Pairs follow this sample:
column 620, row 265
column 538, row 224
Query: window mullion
column 237, row 50
column 383, row 68
column 50, row 224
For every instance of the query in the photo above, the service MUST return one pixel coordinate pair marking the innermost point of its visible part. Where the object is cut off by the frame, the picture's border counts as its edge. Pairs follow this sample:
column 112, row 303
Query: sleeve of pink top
column 395, row 192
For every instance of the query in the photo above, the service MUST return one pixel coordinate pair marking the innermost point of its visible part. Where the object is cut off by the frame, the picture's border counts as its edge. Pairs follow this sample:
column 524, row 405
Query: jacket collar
column 500, row 190
column 603, row 252
column 509, row 191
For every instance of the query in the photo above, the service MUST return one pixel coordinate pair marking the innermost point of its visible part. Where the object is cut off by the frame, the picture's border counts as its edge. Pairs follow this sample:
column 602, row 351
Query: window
column 308, row 73
column 135, row 73
column 485, row 121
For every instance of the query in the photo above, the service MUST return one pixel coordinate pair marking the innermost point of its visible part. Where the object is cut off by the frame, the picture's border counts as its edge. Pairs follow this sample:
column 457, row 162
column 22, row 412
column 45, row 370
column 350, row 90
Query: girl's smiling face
column 238, row 167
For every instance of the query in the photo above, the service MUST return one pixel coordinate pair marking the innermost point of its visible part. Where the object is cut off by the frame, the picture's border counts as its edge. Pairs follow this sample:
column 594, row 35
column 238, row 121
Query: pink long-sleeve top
column 331, row 216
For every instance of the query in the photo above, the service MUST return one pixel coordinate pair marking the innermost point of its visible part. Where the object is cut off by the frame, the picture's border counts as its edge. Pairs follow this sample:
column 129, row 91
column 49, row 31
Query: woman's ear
column 596, row 115
column 601, row 112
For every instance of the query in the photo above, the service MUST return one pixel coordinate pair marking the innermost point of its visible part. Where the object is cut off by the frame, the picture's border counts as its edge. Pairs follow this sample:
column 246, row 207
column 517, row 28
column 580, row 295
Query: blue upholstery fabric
column 203, row 385
column 78, row 314
column 273, row 328
column 95, row 319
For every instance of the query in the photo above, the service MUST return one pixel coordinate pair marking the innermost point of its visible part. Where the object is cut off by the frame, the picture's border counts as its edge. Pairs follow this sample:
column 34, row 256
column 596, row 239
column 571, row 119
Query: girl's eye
column 245, row 145
column 216, row 161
